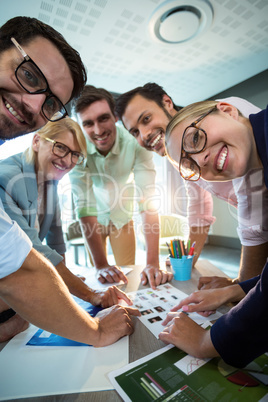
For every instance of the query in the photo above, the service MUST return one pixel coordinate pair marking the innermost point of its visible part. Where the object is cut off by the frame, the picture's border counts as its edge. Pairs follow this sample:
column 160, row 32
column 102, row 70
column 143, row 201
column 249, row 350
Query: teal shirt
column 105, row 186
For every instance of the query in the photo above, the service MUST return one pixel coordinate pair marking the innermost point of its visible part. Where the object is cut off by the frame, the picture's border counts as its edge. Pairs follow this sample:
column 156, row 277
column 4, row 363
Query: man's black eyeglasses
column 33, row 81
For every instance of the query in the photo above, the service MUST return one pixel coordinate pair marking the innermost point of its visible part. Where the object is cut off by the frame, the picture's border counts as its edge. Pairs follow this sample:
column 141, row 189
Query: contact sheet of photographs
column 155, row 304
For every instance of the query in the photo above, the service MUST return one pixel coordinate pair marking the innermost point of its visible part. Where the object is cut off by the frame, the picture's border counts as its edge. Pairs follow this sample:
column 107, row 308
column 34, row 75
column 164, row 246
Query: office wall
column 255, row 90
column 226, row 223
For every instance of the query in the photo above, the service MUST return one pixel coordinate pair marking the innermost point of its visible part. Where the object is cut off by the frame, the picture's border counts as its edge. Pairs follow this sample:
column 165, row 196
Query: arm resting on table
column 39, row 295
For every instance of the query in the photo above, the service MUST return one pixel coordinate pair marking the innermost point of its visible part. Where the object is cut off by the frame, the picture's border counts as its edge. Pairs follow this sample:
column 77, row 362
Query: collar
column 116, row 147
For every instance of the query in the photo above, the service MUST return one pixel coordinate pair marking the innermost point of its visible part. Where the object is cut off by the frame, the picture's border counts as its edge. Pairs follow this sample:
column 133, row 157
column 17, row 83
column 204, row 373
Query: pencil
column 172, row 249
column 170, row 253
column 189, row 246
column 179, row 249
column 182, row 248
column 173, row 242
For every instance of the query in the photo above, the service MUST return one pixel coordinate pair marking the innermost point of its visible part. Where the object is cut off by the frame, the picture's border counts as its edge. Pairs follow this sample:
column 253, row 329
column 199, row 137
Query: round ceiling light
column 179, row 21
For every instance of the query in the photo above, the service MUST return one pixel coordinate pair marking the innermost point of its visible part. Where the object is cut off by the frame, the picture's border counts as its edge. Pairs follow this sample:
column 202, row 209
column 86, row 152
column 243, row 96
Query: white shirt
column 14, row 245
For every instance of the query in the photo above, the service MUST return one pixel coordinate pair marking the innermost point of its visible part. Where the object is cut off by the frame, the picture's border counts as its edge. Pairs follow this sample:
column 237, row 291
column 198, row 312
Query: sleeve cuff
column 14, row 239
column 199, row 221
column 81, row 213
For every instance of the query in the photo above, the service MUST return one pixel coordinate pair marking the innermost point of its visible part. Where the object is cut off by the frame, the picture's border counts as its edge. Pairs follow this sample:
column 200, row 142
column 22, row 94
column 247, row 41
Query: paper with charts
column 170, row 375
column 155, row 304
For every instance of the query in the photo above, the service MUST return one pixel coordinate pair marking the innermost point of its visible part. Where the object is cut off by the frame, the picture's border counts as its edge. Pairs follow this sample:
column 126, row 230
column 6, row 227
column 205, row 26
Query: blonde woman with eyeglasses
column 28, row 190
column 214, row 141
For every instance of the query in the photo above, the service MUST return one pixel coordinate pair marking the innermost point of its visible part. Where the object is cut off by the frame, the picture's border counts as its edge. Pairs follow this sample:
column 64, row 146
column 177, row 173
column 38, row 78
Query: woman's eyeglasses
column 61, row 150
column 194, row 141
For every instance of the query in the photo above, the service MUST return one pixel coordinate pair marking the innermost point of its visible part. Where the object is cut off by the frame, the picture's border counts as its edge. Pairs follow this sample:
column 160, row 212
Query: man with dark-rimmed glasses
column 38, row 77
column 34, row 82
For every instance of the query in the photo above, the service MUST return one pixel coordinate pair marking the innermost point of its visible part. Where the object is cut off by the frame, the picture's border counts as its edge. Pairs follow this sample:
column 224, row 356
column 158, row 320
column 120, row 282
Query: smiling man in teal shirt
column 118, row 172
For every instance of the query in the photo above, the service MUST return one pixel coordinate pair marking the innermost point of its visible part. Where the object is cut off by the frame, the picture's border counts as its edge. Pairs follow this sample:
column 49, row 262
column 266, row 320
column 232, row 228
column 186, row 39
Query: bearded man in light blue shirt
column 117, row 172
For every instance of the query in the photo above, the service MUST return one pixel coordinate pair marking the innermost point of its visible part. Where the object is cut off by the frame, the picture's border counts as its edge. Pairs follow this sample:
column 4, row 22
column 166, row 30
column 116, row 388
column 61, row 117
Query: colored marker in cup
column 191, row 252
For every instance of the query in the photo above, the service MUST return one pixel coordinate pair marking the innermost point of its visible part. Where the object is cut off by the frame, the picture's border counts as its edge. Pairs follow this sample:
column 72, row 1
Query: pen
column 191, row 252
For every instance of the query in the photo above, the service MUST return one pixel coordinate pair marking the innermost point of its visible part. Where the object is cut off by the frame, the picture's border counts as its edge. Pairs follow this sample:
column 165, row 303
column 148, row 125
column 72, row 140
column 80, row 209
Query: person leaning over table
column 40, row 73
column 28, row 190
column 145, row 112
column 214, row 141
column 104, row 191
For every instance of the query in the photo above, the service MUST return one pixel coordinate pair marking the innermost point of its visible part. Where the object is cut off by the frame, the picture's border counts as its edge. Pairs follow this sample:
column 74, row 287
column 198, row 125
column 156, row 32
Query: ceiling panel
column 115, row 43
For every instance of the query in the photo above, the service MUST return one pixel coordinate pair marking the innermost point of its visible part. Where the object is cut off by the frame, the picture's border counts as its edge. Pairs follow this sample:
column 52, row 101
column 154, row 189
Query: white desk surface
column 141, row 342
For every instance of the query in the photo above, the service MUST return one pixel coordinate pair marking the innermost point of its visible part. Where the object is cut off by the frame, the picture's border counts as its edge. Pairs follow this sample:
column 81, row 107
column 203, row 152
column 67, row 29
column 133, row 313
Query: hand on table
column 213, row 282
column 83, row 278
column 185, row 334
column 168, row 264
column 108, row 297
column 155, row 276
column 114, row 323
column 111, row 274
column 205, row 302
column 12, row 327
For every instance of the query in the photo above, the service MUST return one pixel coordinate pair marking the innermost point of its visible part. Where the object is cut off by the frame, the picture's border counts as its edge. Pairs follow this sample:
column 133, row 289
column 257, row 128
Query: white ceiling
column 114, row 41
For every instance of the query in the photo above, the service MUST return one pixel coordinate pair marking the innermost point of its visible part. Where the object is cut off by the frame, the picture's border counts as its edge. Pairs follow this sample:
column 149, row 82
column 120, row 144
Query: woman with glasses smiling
column 214, row 141
column 28, row 190
column 211, row 140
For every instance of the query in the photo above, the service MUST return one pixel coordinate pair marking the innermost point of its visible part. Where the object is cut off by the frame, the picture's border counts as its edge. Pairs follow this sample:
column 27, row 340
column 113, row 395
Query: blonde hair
column 52, row 129
column 192, row 111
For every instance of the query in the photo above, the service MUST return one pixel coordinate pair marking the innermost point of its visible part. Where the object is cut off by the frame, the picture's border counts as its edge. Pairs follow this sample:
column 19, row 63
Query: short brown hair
column 150, row 91
column 91, row 94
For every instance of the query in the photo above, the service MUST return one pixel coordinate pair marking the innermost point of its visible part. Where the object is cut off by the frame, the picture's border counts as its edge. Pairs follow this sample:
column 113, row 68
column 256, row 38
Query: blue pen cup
column 182, row 267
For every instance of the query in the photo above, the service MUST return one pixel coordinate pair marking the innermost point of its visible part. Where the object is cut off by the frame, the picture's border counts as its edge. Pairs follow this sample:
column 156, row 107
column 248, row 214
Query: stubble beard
column 8, row 131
